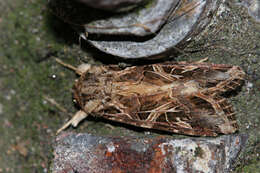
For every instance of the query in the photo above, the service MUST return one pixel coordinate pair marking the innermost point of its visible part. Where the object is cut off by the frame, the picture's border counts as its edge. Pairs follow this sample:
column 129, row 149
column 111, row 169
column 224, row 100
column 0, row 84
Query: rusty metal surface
column 186, row 22
column 84, row 153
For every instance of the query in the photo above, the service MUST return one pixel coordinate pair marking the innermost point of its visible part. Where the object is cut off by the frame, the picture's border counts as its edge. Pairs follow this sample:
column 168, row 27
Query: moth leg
column 91, row 106
column 79, row 116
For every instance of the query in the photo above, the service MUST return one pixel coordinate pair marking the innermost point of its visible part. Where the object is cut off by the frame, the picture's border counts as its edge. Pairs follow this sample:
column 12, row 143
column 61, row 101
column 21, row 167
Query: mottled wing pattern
column 182, row 97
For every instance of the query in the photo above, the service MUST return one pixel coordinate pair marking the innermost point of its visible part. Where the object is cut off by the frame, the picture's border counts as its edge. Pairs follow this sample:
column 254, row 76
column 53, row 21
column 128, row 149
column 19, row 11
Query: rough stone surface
column 84, row 153
column 253, row 7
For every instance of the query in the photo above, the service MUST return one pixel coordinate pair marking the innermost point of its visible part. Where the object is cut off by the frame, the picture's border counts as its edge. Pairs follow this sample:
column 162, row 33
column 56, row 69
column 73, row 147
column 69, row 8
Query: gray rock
column 84, row 153
column 253, row 7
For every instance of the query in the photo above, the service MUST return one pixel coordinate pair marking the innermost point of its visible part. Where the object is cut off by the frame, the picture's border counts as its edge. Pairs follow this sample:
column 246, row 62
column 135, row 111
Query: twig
column 57, row 105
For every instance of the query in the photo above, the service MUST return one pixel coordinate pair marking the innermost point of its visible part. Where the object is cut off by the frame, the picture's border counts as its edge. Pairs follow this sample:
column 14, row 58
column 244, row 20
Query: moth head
column 83, row 68
column 88, row 68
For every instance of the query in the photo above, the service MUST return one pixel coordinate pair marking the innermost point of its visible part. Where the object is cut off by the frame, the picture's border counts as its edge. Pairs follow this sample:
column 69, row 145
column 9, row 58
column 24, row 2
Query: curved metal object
column 113, row 5
column 152, row 32
column 185, row 23
column 140, row 22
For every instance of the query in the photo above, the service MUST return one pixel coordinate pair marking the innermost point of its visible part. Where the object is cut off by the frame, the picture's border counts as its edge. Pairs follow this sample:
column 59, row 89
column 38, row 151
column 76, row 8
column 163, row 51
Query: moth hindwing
column 185, row 98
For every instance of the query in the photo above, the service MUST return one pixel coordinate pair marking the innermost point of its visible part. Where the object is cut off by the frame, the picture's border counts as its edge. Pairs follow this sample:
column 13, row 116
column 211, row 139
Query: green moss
column 25, row 79
column 252, row 168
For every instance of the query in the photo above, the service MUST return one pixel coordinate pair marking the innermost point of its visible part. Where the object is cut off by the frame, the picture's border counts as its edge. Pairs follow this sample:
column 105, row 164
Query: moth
column 180, row 97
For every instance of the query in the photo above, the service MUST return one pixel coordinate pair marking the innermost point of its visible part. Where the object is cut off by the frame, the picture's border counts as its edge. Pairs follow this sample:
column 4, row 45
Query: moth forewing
column 183, row 97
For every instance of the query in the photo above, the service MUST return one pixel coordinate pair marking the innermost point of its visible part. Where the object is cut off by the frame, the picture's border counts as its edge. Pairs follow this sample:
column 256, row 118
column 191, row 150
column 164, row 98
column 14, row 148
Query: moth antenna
column 68, row 66
column 57, row 105
column 79, row 116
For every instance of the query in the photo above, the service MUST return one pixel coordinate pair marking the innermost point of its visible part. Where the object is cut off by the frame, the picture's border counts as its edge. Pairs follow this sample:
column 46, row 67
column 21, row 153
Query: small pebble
column 54, row 76
column 12, row 92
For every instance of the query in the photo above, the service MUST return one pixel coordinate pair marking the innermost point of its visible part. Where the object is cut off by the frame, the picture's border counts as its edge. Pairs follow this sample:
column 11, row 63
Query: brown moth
column 180, row 97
